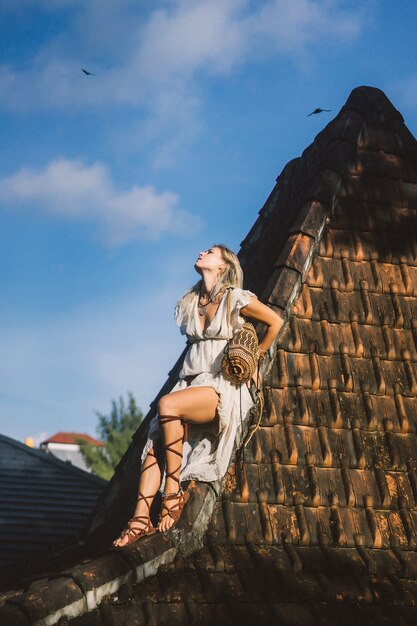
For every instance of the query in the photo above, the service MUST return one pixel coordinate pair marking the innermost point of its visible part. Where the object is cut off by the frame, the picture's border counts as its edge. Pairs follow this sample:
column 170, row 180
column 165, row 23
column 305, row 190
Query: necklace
column 210, row 300
column 203, row 307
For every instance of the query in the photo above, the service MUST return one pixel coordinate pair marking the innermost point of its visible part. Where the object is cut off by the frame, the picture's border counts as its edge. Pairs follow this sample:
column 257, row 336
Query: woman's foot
column 137, row 527
column 171, row 509
column 140, row 525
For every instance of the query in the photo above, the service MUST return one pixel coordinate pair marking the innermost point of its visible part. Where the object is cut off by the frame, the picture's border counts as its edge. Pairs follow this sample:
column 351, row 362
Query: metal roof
column 42, row 500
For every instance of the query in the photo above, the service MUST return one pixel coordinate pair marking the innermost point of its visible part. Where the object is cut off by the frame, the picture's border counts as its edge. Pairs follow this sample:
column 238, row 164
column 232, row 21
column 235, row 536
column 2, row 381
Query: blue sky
column 111, row 184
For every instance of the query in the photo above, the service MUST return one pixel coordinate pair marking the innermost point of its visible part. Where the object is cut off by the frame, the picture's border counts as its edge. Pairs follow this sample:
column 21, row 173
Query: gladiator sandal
column 175, row 511
column 140, row 525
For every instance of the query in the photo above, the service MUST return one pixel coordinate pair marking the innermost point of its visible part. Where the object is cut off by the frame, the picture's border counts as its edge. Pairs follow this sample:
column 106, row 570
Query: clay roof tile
column 316, row 522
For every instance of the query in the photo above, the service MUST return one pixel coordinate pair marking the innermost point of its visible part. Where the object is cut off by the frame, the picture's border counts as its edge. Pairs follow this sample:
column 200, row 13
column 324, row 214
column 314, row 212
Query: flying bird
column 318, row 111
column 86, row 72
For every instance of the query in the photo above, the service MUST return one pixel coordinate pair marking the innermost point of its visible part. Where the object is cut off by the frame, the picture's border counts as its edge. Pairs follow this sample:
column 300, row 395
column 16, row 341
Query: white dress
column 206, row 454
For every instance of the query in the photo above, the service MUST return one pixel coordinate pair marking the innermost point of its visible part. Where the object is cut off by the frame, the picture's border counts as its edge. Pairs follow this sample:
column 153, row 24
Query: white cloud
column 218, row 35
column 303, row 22
column 191, row 37
column 152, row 58
column 166, row 52
column 71, row 189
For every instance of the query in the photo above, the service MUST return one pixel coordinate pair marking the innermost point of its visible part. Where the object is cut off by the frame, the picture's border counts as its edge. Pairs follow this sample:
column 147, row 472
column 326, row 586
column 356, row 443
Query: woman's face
column 210, row 259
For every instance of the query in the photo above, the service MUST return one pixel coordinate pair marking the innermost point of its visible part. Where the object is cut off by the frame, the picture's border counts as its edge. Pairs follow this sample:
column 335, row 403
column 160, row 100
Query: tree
column 115, row 431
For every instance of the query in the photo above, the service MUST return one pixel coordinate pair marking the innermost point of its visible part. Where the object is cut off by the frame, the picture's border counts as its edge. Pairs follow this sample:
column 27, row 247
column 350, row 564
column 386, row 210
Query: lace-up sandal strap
column 172, row 495
column 174, row 418
column 132, row 533
column 175, row 471
column 175, row 511
column 138, row 519
column 142, row 496
column 174, row 474
column 153, row 456
column 147, row 467
column 145, row 498
column 164, row 419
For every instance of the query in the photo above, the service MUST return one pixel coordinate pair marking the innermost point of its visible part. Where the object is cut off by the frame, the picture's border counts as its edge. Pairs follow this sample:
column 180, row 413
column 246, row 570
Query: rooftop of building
column 43, row 501
column 318, row 524
column 71, row 438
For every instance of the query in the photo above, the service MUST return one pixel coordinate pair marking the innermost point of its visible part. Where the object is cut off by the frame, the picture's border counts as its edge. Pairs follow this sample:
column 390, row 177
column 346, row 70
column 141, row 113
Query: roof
column 42, row 501
column 318, row 525
column 73, row 438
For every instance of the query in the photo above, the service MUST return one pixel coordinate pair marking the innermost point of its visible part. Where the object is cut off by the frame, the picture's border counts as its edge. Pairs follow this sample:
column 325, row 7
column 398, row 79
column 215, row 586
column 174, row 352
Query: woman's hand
column 256, row 378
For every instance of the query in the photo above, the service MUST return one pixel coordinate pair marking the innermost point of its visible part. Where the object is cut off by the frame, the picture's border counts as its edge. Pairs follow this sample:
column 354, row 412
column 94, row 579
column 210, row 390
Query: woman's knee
column 167, row 405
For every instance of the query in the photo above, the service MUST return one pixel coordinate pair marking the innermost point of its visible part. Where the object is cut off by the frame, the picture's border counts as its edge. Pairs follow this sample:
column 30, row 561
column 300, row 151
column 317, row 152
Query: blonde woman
column 203, row 404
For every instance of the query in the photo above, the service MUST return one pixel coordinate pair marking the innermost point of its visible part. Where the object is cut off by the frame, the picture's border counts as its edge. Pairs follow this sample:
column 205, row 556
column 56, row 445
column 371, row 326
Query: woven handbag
column 241, row 353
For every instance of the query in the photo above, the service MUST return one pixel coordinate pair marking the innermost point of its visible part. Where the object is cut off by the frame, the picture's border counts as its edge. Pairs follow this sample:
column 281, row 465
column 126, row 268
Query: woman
column 203, row 402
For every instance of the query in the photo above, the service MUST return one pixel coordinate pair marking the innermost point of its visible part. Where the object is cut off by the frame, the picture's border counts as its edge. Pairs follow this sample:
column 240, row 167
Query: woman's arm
column 258, row 311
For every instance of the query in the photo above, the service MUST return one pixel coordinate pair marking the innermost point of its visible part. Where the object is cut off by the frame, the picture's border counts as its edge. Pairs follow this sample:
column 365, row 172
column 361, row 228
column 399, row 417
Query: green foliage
column 115, row 431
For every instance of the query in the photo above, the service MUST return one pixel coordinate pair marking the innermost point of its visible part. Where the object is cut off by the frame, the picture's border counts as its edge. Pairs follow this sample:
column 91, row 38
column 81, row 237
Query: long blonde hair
column 231, row 277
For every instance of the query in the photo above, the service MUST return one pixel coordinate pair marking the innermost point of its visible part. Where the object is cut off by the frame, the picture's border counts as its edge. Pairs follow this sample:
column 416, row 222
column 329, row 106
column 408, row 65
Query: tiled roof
column 73, row 438
column 42, row 501
column 319, row 524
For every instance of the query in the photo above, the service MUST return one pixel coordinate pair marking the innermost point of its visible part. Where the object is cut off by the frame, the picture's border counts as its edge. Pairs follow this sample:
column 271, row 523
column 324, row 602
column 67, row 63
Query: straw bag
column 241, row 353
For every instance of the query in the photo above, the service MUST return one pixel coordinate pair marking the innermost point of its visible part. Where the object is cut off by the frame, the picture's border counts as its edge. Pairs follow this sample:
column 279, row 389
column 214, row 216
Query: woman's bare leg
column 194, row 404
column 149, row 482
